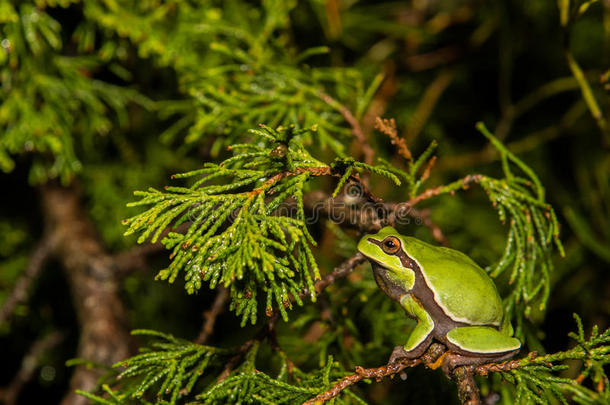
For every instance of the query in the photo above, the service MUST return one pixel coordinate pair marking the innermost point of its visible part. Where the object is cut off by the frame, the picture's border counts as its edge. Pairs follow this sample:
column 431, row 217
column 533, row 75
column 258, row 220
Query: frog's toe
column 398, row 354
column 408, row 352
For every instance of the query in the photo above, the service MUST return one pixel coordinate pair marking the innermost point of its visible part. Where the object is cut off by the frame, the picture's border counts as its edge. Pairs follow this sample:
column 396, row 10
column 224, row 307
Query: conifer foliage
column 233, row 239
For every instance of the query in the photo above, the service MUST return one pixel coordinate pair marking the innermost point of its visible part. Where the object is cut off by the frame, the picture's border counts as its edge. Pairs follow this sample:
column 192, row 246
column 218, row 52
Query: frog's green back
column 461, row 287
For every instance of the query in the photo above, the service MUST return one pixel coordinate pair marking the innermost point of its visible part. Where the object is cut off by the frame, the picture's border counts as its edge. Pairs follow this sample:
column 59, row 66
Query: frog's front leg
column 420, row 337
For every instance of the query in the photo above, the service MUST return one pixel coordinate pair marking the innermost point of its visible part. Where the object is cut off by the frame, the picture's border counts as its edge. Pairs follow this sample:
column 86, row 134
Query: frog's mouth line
column 377, row 265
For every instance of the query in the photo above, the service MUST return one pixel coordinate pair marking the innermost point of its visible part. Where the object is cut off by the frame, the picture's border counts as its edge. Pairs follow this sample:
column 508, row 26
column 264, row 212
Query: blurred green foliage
column 116, row 96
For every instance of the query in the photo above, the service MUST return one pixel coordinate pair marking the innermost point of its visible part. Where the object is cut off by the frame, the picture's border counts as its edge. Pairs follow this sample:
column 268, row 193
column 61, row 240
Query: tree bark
column 92, row 275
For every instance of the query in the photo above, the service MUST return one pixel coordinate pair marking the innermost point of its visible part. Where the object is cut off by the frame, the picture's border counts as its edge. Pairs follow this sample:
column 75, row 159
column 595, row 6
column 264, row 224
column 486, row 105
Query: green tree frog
column 453, row 300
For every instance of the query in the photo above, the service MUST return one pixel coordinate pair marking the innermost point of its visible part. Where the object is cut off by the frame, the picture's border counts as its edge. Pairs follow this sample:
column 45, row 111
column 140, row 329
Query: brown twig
column 241, row 351
column 136, row 258
column 367, row 220
column 367, row 151
column 388, row 127
column 341, row 271
column 211, row 315
column 266, row 331
column 468, row 391
column 316, row 171
column 485, row 369
column 396, row 211
column 20, row 292
column 426, row 218
column 29, row 364
column 433, row 192
column 432, row 354
column 434, row 58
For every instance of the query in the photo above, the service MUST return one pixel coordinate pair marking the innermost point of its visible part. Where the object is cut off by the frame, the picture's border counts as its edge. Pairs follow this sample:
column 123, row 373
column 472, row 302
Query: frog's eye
column 390, row 245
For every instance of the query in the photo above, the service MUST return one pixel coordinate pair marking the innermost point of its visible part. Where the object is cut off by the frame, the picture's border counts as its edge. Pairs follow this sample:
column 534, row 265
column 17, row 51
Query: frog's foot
column 476, row 345
column 410, row 350
column 398, row 354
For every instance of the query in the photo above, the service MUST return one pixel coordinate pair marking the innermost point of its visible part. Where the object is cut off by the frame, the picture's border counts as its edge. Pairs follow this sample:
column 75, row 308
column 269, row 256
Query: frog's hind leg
column 475, row 345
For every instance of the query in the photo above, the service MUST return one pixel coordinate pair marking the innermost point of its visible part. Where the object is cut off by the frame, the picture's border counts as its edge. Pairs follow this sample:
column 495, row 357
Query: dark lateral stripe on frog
column 443, row 323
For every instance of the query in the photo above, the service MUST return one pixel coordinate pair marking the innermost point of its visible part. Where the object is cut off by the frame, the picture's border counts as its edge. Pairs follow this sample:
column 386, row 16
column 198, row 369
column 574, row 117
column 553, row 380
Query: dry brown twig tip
column 388, row 127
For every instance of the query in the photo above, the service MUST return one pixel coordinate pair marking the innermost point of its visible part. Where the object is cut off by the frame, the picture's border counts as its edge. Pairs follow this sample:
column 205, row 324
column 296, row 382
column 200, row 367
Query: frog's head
column 384, row 249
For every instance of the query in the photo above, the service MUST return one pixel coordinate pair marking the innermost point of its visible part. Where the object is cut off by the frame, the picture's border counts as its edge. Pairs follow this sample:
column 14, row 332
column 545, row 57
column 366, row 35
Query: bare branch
column 211, row 315
column 468, row 391
column 441, row 56
column 92, row 275
column 21, row 290
column 10, row 394
column 368, row 152
column 341, row 271
column 437, row 232
column 135, row 258
column 431, row 192
column 432, row 354
column 485, row 369
column 267, row 331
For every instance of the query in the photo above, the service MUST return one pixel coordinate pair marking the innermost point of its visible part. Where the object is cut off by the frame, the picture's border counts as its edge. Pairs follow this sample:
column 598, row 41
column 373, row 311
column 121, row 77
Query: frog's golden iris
column 391, row 245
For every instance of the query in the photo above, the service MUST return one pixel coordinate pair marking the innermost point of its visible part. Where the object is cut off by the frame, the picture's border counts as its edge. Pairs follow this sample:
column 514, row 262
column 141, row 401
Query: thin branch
column 341, row 271
column 525, row 144
column 433, row 192
column 234, row 361
column 406, row 207
column 368, row 152
column 588, row 96
column 211, row 315
column 267, row 331
column 468, row 391
column 427, row 103
column 10, row 394
column 432, row 354
column 135, row 258
column 485, row 369
column 441, row 56
column 435, row 230
column 20, row 292
column 515, row 110
column 316, row 171
column 367, row 220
